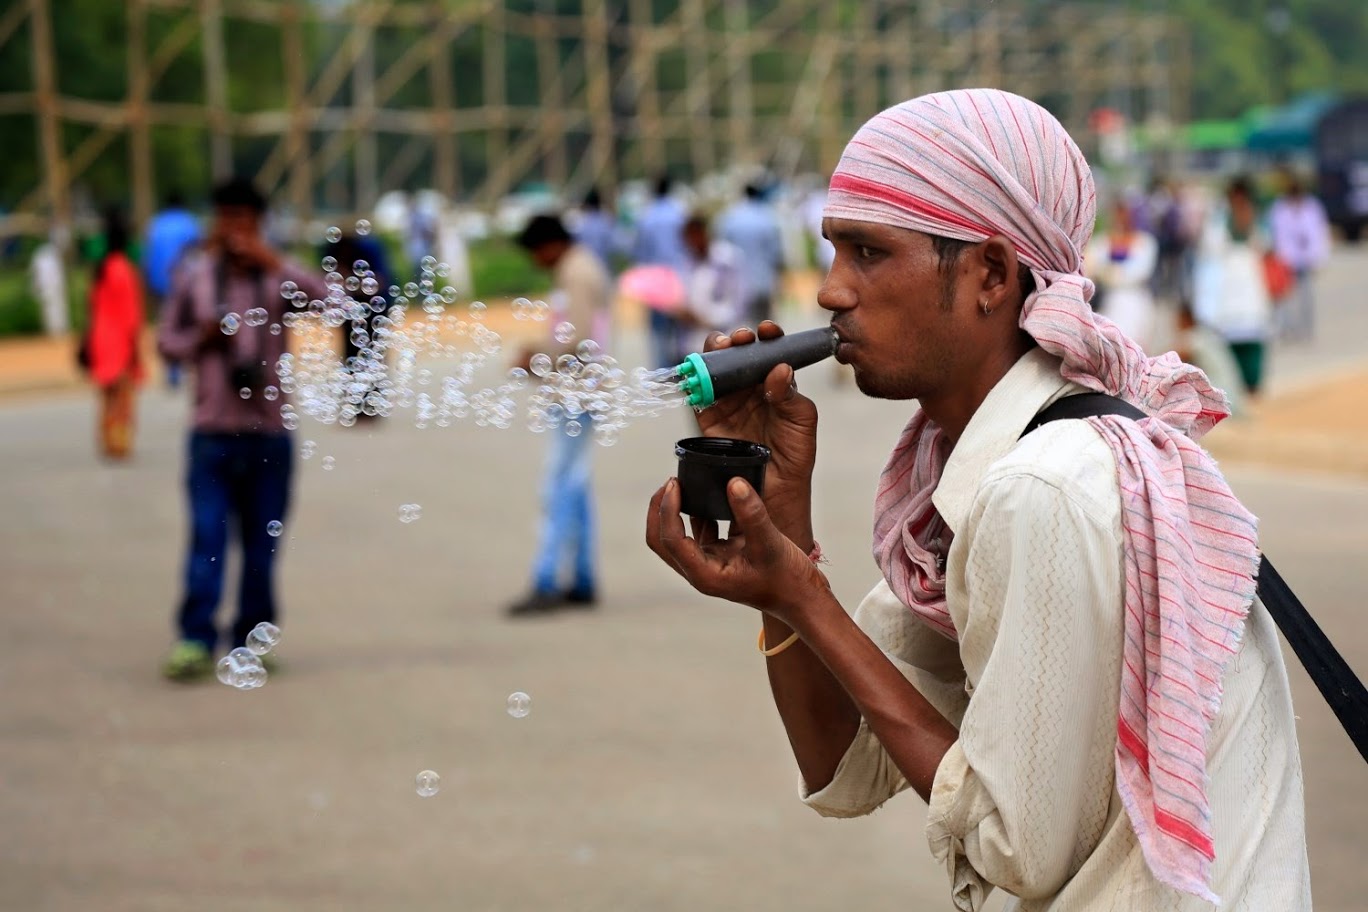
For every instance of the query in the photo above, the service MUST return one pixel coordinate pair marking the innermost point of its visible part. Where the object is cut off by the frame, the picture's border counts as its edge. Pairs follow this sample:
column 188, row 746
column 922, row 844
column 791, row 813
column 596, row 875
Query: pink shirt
column 202, row 294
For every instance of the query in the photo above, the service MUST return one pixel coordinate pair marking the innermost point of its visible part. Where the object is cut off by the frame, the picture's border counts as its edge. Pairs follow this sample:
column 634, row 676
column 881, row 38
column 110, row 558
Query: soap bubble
column 428, row 263
column 588, row 350
column 242, row 669
column 275, row 329
column 363, row 227
column 289, row 419
column 274, row 528
column 245, row 392
column 429, row 783
column 333, row 234
column 409, row 513
column 230, row 324
column 541, row 364
column 573, row 428
column 288, row 289
column 307, row 449
column 257, row 316
column 564, row 333
column 328, row 463
column 519, row 705
column 517, row 378
column 540, row 310
column 329, row 264
column 271, row 393
column 477, row 310
column 263, row 638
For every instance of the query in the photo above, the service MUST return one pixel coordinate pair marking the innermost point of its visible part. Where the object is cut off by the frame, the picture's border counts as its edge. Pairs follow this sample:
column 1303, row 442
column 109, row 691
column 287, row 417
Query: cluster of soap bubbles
column 409, row 513
column 415, row 353
column 242, row 668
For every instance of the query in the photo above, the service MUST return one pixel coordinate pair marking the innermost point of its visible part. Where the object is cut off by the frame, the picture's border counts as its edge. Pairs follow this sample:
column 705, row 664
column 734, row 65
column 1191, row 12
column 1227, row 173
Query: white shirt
column 1025, row 800
column 1126, row 297
column 1230, row 293
column 1301, row 232
column 716, row 292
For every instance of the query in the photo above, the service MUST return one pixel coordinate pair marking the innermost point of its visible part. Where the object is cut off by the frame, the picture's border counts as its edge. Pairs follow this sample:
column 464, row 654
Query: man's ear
column 999, row 273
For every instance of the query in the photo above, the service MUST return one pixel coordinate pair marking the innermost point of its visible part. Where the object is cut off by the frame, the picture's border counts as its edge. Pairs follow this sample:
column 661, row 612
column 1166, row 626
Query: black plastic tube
column 708, row 376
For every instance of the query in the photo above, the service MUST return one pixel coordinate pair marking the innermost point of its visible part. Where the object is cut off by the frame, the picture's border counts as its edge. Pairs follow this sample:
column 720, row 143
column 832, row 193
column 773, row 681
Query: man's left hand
column 755, row 565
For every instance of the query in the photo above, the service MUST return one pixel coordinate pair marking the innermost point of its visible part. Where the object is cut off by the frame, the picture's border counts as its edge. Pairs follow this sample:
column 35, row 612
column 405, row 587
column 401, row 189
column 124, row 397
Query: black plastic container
column 707, row 464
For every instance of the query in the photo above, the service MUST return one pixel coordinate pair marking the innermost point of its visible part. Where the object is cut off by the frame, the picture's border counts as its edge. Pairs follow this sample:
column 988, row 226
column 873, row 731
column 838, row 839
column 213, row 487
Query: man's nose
column 834, row 294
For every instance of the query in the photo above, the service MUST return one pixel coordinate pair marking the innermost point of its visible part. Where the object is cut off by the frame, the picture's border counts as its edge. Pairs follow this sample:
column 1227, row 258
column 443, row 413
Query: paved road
column 651, row 774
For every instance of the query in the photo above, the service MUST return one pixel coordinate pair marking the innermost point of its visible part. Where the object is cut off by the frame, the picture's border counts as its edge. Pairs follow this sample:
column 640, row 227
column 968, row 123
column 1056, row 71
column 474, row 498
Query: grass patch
column 501, row 269
column 20, row 312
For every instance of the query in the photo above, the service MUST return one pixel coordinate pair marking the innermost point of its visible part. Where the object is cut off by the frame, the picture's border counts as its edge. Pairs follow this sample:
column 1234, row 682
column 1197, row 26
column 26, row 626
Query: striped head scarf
column 975, row 163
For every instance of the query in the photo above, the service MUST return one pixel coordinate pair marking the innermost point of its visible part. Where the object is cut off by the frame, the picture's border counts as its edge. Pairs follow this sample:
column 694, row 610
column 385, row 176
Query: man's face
column 696, row 239
column 547, row 255
column 902, row 323
column 235, row 224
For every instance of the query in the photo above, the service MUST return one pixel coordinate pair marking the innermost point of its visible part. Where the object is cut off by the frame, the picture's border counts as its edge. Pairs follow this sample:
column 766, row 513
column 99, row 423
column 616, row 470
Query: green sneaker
column 188, row 661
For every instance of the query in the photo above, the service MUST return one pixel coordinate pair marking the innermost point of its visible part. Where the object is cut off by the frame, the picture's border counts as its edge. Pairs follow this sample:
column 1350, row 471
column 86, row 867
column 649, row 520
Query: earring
column 987, row 311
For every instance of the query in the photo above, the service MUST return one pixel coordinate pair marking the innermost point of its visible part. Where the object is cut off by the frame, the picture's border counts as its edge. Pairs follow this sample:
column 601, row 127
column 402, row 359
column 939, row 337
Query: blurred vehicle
column 1341, row 147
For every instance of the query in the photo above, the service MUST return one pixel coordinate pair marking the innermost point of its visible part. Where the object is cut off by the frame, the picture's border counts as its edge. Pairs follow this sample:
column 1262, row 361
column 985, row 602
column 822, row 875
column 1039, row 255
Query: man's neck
column 953, row 409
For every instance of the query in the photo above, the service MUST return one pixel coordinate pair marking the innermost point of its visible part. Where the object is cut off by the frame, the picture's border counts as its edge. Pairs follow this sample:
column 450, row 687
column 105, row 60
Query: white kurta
column 1126, row 296
column 1025, row 800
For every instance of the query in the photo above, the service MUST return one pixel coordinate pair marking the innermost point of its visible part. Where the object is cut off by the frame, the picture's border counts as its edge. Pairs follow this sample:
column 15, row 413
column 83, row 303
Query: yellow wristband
column 760, row 644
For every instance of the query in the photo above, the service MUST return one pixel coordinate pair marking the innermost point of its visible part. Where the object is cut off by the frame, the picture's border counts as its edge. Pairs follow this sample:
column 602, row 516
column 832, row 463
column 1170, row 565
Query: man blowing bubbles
column 1048, row 659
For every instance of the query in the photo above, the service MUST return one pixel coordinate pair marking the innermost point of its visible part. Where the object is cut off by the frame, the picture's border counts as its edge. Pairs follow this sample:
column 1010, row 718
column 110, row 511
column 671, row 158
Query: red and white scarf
column 975, row 163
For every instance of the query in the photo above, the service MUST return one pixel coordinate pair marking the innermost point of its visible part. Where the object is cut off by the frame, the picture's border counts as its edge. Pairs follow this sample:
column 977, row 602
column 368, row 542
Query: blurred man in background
column 597, row 229
column 217, row 319
column 582, row 295
column 715, row 284
column 660, row 241
column 752, row 227
column 171, row 232
column 1301, row 239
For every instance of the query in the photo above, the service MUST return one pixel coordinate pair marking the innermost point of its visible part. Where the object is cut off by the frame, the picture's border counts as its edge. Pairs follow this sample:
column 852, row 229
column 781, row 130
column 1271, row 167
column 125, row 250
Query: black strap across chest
column 1336, row 681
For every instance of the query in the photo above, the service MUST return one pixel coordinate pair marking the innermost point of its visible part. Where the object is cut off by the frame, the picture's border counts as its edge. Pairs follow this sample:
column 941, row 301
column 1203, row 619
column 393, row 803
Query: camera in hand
column 247, row 374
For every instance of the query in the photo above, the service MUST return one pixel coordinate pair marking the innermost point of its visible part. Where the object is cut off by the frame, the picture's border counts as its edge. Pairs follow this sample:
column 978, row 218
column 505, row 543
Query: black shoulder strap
column 1336, row 681
column 1083, row 405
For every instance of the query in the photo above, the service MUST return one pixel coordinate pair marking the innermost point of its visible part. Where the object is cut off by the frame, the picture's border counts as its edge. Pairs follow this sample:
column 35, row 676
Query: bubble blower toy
column 708, row 376
column 708, row 464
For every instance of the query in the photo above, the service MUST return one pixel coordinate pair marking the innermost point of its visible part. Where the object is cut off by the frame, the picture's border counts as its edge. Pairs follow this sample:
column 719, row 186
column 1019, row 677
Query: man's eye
column 865, row 253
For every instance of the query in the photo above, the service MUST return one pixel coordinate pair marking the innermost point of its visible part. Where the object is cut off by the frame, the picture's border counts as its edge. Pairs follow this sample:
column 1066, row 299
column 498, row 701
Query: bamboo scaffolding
column 600, row 76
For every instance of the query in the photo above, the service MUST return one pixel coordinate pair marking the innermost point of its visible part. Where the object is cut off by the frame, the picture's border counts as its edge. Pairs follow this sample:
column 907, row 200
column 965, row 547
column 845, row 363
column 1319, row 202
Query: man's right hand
column 777, row 415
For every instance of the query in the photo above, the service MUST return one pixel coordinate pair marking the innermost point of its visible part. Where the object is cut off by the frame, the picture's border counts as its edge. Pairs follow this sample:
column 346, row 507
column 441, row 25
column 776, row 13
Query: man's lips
column 844, row 346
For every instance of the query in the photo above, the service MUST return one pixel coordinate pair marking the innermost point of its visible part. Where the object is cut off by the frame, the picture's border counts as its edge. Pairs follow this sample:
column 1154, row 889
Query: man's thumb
column 751, row 516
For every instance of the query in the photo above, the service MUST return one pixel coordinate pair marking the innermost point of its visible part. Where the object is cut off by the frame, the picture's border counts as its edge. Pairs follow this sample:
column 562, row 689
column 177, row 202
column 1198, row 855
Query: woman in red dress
column 116, row 322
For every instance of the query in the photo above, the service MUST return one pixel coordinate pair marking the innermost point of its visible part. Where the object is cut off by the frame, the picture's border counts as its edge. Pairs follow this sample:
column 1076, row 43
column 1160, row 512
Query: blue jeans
column 567, row 530
column 244, row 478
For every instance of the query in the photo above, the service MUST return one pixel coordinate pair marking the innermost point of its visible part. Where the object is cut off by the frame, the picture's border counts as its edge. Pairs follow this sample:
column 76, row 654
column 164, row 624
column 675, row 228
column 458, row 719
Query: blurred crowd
column 1214, row 277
